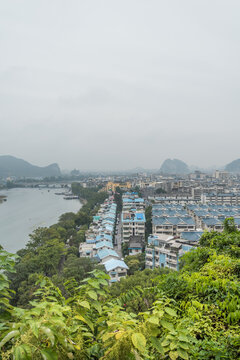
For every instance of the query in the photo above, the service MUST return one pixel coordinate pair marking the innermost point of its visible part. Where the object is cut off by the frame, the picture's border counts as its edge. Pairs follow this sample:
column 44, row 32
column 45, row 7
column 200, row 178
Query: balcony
column 172, row 261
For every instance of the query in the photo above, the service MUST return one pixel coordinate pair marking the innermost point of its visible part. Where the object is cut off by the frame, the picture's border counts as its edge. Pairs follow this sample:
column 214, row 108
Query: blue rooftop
column 137, row 200
column 103, row 236
column 173, row 220
column 133, row 217
column 191, row 235
column 115, row 263
column 104, row 243
column 101, row 254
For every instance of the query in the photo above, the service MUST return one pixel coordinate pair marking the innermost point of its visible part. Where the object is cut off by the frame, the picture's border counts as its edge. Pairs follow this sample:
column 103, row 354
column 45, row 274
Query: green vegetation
column 135, row 263
column 148, row 215
column 160, row 191
column 118, row 199
column 137, row 190
column 153, row 314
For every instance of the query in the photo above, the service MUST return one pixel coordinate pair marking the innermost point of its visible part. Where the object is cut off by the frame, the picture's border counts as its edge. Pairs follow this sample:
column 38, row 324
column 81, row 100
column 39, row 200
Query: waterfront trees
column 53, row 251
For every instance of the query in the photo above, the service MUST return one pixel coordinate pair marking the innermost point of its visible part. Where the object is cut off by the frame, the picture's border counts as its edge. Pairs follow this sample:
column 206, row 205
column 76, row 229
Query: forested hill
column 12, row 166
column 153, row 314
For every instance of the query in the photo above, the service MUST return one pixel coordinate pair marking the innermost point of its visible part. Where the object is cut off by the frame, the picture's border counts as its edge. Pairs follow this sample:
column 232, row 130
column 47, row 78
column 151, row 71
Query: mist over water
column 27, row 209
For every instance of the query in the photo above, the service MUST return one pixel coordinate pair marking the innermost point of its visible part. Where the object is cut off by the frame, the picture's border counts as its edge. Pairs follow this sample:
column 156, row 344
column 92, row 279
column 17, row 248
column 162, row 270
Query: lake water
column 27, row 209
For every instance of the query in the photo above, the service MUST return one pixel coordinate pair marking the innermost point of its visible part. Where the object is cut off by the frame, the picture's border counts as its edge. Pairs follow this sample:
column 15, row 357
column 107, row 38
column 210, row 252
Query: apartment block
column 165, row 251
column 133, row 224
column 221, row 198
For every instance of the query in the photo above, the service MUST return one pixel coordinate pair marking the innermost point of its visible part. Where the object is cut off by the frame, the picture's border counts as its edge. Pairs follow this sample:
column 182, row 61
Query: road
column 118, row 238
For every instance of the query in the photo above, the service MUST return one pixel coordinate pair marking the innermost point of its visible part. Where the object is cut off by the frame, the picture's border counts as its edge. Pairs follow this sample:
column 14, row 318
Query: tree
column 153, row 314
column 160, row 191
column 78, row 268
column 135, row 263
column 49, row 257
column 118, row 199
column 148, row 215
column 229, row 225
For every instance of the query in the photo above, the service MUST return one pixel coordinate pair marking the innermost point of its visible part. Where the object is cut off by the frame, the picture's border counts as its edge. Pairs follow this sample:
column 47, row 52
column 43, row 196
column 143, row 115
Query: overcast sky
column 116, row 84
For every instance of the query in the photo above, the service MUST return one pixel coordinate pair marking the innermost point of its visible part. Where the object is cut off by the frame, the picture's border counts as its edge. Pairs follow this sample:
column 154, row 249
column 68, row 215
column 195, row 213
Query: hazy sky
column 115, row 84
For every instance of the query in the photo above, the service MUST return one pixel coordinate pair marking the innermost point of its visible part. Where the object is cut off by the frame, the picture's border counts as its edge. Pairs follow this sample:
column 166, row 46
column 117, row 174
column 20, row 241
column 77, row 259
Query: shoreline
column 3, row 198
column 83, row 201
column 27, row 210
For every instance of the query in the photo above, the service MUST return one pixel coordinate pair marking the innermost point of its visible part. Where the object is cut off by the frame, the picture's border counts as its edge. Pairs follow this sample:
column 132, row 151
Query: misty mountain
column 11, row 166
column 233, row 166
column 174, row 166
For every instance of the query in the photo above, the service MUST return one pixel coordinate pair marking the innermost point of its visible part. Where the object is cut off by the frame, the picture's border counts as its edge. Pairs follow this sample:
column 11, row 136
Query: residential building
column 111, row 186
column 172, row 225
column 165, row 251
column 99, row 241
column 86, row 250
column 133, row 203
column 104, row 255
column 135, row 245
column 133, row 223
column 116, row 269
column 221, row 198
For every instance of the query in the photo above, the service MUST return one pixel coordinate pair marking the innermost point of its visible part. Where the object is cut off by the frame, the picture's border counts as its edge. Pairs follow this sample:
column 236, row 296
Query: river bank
column 27, row 209
column 3, row 198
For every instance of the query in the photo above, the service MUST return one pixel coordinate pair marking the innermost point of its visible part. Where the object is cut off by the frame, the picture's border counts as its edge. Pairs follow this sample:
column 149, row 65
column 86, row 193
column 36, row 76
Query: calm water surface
column 27, row 209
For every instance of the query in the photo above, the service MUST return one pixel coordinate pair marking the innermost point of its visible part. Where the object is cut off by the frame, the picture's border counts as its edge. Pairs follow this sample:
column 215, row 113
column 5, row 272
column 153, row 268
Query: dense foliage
column 91, row 195
column 153, row 314
column 118, row 199
column 148, row 215
column 135, row 263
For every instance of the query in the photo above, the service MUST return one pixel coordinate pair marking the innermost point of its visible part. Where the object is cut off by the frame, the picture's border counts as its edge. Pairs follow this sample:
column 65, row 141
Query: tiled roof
column 103, row 236
column 191, row 235
column 106, row 252
column 173, row 220
column 115, row 263
column 104, row 243
column 128, row 217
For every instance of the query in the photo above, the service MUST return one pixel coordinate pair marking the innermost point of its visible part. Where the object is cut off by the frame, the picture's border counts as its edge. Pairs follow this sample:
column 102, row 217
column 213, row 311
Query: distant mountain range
column 11, row 166
column 233, row 166
column 174, row 166
column 178, row 167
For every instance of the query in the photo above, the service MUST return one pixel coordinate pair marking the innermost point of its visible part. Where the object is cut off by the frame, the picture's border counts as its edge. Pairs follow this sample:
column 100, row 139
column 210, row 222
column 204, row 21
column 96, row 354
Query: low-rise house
column 103, row 236
column 116, row 269
column 104, row 244
column 135, row 245
column 86, row 250
column 99, row 240
column 104, row 255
